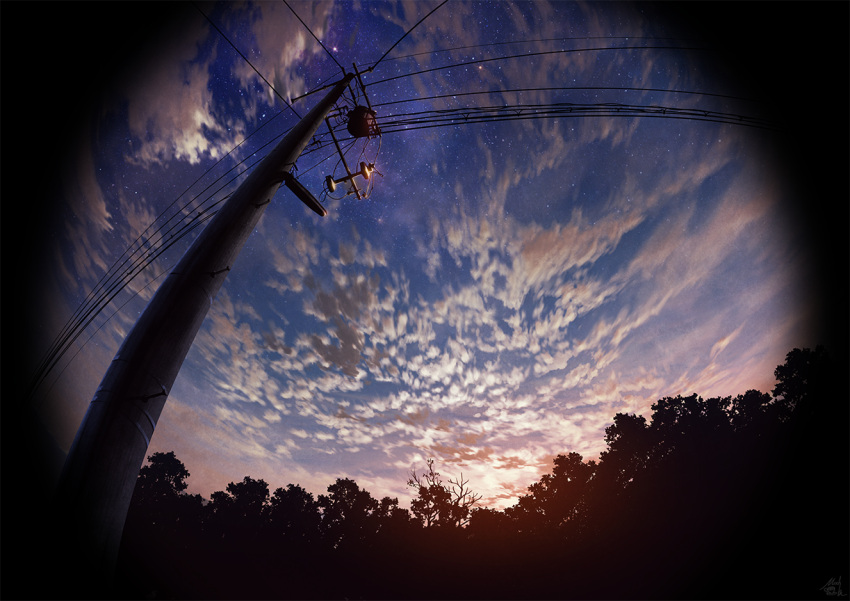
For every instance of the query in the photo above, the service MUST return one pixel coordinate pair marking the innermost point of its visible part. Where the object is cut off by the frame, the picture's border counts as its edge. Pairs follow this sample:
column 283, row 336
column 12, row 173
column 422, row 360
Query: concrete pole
column 103, row 463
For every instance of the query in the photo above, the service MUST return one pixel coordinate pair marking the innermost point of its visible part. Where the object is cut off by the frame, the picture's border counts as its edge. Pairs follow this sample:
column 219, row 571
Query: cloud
column 505, row 331
column 721, row 344
column 171, row 111
column 90, row 222
column 284, row 48
column 527, row 339
column 346, row 355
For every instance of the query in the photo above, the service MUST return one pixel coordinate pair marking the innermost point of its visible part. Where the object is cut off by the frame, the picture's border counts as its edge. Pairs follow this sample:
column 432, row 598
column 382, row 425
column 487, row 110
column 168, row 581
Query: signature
column 833, row 588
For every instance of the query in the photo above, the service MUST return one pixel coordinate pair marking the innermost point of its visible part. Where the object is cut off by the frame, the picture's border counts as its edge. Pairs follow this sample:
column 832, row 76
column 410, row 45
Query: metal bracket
column 212, row 274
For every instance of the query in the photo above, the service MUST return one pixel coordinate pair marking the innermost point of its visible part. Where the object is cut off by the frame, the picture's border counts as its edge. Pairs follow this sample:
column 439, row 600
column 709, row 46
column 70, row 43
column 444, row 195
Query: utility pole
column 103, row 463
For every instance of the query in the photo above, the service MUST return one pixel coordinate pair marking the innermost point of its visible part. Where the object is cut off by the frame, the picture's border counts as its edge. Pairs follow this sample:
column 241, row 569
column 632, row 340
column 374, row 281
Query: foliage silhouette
column 294, row 516
column 707, row 498
column 239, row 515
column 438, row 504
column 349, row 514
column 556, row 500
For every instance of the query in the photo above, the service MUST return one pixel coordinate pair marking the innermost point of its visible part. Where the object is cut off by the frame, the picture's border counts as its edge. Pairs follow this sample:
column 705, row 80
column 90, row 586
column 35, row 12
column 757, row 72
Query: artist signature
column 833, row 588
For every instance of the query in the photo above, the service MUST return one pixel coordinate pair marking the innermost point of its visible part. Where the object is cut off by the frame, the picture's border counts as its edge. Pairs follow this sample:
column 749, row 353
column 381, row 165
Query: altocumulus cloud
column 506, row 290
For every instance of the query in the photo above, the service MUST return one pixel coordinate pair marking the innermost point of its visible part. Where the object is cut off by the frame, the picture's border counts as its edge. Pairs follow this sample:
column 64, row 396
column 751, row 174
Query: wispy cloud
column 434, row 352
column 90, row 219
column 281, row 47
column 170, row 108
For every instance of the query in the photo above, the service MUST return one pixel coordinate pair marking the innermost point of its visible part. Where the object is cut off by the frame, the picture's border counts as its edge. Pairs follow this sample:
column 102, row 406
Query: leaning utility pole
column 103, row 464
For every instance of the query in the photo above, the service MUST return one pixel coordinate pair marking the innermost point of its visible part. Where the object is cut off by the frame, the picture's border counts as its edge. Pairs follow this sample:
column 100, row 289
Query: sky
column 505, row 289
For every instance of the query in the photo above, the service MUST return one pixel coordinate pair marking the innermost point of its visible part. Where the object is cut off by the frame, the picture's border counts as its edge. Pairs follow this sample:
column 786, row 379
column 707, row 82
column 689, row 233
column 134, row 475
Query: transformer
column 362, row 122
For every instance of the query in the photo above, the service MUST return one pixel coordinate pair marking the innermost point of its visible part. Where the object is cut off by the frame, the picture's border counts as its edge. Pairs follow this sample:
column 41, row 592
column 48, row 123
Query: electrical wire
column 378, row 62
column 314, row 36
column 562, row 88
column 98, row 329
column 245, row 58
column 319, row 87
column 514, row 42
column 529, row 55
column 467, row 115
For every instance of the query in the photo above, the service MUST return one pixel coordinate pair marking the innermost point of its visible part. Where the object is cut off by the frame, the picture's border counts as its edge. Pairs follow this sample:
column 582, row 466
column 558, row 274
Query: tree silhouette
column 557, row 499
column 438, row 504
column 490, row 525
column 163, row 524
column 294, row 516
column 692, row 502
column 238, row 516
column 394, row 522
column 249, row 496
column 803, row 379
column 164, row 476
column 159, row 500
column 750, row 411
column 347, row 512
column 629, row 453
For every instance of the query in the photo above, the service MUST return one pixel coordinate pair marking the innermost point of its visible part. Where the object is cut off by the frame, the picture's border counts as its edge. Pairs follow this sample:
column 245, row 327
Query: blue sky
column 506, row 288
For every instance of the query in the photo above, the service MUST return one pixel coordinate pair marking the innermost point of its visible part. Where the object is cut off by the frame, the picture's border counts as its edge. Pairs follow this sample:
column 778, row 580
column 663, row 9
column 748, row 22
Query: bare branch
column 449, row 503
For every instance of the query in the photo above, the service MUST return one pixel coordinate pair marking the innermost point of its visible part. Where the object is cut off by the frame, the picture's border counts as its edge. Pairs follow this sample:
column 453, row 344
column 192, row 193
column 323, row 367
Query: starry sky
column 506, row 287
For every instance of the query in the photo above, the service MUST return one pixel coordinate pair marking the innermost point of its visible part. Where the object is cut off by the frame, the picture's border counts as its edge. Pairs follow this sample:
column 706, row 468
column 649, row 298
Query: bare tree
column 463, row 498
column 441, row 504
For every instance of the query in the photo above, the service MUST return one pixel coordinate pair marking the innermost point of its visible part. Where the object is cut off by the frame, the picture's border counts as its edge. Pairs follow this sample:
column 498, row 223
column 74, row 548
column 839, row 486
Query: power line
column 314, row 36
column 406, row 33
column 469, row 115
column 528, row 55
column 560, row 88
column 392, row 124
column 513, row 42
column 100, row 327
column 148, row 234
column 245, row 58
column 319, row 88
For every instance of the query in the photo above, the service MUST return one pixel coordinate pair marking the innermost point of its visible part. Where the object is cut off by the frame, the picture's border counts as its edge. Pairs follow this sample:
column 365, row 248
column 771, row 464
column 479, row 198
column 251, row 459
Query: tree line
column 742, row 497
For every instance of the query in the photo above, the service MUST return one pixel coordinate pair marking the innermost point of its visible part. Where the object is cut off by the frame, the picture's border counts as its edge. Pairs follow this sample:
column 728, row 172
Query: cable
column 530, row 54
column 110, row 287
column 548, row 89
column 405, row 35
column 246, row 60
column 100, row 327
column 314, row 36
column 459, row 116
column 626, row 37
